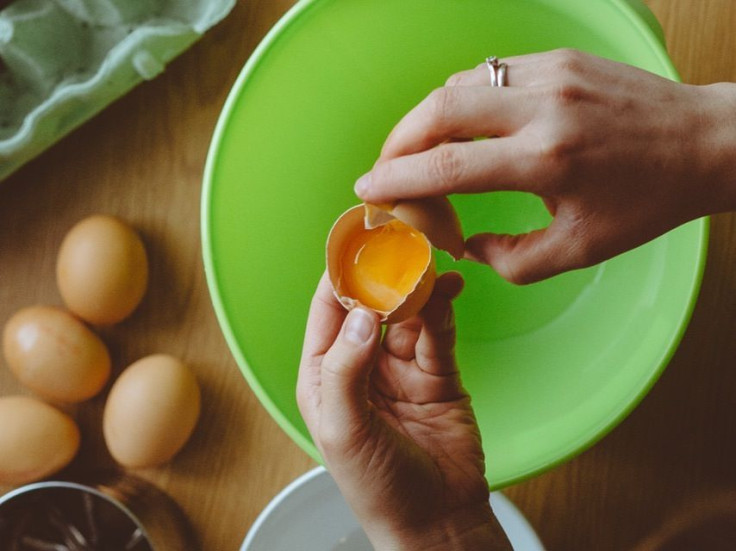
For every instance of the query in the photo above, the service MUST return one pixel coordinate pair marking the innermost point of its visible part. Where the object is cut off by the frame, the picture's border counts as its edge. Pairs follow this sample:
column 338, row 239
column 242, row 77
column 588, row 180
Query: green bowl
column 551, row 367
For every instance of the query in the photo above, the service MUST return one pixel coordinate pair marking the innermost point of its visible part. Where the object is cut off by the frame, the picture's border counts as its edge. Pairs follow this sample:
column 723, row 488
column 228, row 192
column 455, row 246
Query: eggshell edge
column 435, row 217
column 356, row 217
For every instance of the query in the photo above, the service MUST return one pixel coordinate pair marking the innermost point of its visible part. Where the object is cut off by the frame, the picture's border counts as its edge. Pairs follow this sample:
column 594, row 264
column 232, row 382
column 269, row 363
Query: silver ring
column 497, row 71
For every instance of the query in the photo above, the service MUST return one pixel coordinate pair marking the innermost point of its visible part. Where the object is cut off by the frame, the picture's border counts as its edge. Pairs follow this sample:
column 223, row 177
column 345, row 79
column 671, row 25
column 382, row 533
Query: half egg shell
column 381, row 256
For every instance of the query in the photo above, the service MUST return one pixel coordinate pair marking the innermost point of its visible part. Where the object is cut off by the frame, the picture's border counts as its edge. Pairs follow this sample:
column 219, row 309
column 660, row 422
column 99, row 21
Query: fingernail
column 363, row 184
column 359, row 326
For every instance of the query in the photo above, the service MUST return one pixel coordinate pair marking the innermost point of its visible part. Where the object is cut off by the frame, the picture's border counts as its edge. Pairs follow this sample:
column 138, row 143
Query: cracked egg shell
column 381, row 257
column 435, row 217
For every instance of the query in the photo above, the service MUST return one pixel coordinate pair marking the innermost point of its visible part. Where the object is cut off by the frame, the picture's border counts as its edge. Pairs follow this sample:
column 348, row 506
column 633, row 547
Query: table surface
column 142, row 159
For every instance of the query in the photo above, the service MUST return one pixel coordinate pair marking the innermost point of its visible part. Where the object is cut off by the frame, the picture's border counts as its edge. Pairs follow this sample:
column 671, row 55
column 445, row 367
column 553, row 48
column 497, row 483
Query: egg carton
column 62, row 61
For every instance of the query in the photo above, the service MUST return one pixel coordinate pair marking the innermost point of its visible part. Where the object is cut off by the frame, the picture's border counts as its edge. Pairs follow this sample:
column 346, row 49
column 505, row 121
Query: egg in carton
column 62, row 61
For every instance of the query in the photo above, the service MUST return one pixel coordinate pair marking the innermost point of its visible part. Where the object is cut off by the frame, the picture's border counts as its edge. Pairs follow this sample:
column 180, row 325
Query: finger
column 435, row 348
column 525, row 258
column 326, row 316
column 521, row 71
column 460, row 112
column 448, row 286
column 477, row 76
column 346, row 367
column 400, row 339
column 481, row 76
column 473, row 167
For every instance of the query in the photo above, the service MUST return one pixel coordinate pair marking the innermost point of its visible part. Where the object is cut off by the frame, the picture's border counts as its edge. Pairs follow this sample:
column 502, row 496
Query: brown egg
column 381, row 257
column 151, row 411
column 55, row 355
column 102, row 270
column 36, row 440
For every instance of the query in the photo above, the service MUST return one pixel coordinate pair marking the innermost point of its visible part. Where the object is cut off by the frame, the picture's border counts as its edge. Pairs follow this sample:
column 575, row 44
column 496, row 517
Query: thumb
column 344, row 379
column 524, row 258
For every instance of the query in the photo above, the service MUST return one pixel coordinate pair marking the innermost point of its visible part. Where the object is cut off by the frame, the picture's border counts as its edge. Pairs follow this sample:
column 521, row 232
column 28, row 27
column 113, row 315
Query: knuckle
column 454, row 80
column 567, row 93
column 560, row 150
column 403, row 340
column 558, row 161
column 512, row 267
column 568, row 61
column 563, row 132
column 439, row 349
column 446, row 168
column 441, row 104
column 382, row 175
column 336, row 366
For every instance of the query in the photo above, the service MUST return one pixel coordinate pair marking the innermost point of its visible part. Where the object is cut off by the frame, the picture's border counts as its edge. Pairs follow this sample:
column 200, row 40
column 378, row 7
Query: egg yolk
column 382, row 265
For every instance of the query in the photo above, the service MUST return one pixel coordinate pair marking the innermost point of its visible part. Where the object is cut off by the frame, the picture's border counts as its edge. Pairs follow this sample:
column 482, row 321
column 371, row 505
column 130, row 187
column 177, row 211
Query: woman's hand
column 394, row 424
column 619, row 156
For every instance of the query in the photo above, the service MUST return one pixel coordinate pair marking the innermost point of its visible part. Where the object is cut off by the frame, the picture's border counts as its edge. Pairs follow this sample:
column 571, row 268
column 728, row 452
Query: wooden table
column 142, row 159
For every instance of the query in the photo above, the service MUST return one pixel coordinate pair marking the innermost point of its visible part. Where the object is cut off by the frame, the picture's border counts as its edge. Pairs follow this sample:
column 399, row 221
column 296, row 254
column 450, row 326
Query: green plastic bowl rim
column 636, row 12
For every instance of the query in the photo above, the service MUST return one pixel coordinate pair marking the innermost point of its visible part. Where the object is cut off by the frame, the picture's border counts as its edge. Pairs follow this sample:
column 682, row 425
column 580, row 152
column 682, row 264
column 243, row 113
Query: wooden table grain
column 142, row 159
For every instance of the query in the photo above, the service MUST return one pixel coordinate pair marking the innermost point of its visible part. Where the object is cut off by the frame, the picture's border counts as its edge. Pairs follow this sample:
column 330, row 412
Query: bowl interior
column 551, row 367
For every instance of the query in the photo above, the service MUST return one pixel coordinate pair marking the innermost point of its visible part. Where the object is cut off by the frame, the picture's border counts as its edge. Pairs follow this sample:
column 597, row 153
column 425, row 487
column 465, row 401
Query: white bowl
column 310, row 514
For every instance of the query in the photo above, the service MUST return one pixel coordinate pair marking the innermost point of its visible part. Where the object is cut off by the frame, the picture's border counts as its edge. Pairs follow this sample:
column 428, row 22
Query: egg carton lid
column 63, row 61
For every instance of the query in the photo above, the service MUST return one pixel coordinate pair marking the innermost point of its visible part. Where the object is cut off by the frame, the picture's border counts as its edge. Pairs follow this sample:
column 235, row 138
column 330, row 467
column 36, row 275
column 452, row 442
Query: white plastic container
column 310, row 514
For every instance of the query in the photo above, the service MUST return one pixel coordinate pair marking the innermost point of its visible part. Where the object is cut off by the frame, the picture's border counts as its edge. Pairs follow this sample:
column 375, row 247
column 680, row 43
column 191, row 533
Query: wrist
column 460, row 531
column 715, row 139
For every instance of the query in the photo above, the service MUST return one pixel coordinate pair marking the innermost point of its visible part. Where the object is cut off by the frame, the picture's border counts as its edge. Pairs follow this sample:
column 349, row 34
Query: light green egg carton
column 62, row 61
